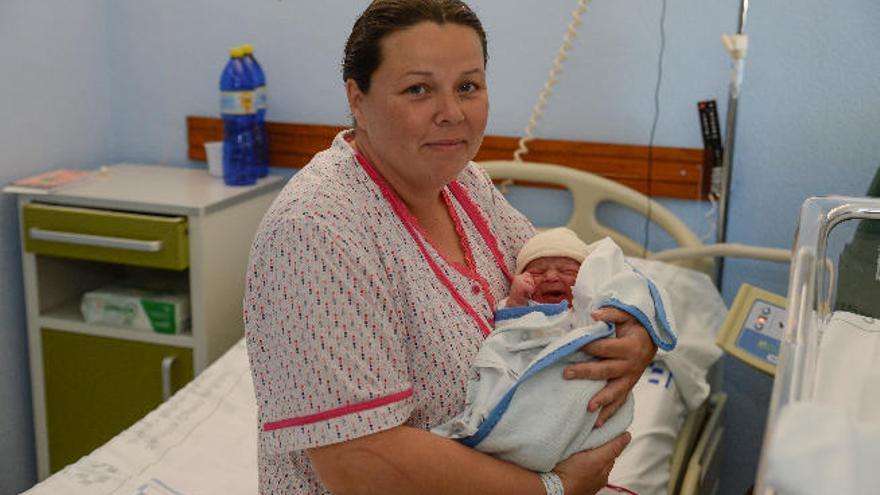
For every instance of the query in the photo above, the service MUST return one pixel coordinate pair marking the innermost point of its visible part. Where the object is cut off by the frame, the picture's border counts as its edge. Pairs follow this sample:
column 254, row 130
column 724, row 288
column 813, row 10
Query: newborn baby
column 519, row 408
column 546, row 268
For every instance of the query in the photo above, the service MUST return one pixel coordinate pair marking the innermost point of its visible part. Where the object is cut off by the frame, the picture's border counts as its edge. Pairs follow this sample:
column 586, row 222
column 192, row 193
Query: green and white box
column 139, row 309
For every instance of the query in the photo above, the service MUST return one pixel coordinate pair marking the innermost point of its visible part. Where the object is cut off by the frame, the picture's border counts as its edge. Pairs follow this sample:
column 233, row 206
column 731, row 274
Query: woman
column 374, row 274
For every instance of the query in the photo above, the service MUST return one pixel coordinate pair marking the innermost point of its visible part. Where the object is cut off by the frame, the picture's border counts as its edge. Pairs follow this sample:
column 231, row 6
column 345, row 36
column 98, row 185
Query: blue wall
column 112, row 81
column 56, row 90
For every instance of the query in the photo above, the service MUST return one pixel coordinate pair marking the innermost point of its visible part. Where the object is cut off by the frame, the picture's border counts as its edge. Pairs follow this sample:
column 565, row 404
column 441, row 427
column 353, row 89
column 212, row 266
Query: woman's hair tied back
column 381, row 18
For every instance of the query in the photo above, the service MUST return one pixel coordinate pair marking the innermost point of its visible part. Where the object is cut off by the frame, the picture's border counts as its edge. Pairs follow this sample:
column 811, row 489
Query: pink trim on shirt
column 411, row 226
column 468, row 268
column 480, row 223
column 339, row 411
column 468, row 252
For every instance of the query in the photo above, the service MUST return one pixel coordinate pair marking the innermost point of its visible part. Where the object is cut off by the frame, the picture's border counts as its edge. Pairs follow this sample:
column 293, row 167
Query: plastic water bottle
column 261, row 136
column 239, row 113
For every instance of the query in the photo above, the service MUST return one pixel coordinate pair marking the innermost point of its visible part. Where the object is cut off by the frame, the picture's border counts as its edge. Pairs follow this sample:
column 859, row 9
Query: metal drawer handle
column 167, row 363
column 96, row 240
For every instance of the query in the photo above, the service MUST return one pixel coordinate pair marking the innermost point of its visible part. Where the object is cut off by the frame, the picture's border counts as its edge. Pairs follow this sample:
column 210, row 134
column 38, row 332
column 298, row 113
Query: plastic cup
column 214, row 151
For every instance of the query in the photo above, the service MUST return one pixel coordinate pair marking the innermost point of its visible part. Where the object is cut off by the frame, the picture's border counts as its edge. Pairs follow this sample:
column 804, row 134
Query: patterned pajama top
column 354, row 323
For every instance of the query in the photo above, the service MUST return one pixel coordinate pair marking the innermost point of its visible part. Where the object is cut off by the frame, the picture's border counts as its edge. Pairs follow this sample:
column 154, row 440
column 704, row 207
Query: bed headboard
column 674, row 172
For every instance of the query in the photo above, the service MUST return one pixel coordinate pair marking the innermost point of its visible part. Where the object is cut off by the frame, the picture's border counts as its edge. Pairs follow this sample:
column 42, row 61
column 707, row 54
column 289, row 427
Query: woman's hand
column 587, row 472
column 623, row 359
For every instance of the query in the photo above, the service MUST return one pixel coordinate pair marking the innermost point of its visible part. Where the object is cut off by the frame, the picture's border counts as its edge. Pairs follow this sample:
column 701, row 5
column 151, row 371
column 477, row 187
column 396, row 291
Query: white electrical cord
column 561, row 56
column 736, row 45
column 709, row 217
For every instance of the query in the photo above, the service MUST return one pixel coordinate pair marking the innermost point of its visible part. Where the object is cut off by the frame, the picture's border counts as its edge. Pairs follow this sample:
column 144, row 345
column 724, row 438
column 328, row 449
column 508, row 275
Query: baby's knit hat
column 561, row 242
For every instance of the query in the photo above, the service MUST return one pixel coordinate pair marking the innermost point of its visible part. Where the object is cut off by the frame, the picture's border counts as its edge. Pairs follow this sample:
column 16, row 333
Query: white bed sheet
column 203, row 439
column 841, row 455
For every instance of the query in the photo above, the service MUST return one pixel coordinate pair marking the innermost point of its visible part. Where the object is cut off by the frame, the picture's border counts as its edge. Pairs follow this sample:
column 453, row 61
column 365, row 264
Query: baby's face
column 554, row 276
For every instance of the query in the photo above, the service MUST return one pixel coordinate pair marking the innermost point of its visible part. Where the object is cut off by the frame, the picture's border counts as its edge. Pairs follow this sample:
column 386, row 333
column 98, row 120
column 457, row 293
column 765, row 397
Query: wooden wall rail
column 675, row 172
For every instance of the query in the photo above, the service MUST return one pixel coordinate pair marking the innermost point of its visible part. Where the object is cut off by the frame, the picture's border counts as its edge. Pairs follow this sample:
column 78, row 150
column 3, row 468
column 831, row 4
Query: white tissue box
column 140, row 309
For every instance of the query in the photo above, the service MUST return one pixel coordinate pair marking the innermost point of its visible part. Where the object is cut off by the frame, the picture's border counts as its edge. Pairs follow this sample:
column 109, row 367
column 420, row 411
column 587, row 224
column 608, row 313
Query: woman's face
column 425, row 113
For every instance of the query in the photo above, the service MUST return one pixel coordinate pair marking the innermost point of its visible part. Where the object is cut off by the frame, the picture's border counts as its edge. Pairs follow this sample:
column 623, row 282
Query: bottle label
column 262, row 98
column 237, row 102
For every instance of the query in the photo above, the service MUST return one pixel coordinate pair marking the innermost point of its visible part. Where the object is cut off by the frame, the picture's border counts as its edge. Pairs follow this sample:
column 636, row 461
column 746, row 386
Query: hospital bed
column 688, row 464
column 203, row 439
column 829, row 368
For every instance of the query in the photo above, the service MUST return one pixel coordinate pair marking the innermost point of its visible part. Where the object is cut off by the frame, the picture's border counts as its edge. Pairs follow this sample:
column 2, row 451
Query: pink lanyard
column 411, row 225
column 480, row 223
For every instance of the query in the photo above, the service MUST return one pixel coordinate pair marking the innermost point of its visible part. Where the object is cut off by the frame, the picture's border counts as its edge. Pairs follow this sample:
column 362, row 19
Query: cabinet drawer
column 108, row 236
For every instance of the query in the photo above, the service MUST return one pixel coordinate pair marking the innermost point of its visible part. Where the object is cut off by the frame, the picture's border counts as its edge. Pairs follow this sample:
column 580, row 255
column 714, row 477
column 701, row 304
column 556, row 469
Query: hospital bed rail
column 589, row 190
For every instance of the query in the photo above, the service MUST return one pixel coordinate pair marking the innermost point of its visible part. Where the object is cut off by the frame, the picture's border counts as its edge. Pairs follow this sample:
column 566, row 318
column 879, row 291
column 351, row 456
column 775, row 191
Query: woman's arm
column 624, row 359
column 405, row 460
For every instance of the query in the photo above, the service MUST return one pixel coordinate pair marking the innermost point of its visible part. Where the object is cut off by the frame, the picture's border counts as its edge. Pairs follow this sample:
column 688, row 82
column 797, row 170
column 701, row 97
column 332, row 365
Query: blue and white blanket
column 519, row 408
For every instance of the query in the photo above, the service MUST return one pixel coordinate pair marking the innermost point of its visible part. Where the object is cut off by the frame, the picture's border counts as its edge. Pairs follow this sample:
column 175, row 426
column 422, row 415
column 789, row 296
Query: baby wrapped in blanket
column 519, row 408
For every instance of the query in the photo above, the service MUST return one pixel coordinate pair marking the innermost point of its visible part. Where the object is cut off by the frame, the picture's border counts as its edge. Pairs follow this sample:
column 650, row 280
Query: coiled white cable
column 561, row 56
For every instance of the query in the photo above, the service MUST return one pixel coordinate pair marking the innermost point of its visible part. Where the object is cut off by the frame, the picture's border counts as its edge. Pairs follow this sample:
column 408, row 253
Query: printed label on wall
column 237, row 102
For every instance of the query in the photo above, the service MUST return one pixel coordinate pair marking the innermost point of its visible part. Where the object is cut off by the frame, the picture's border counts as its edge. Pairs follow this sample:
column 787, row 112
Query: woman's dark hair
column 363, row 53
